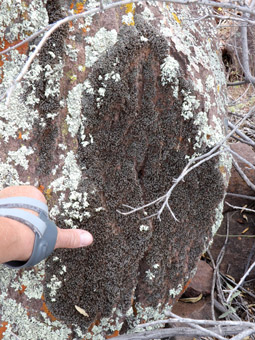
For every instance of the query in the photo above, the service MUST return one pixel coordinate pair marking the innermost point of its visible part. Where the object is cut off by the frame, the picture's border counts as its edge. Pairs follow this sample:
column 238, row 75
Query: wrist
column 17, row 241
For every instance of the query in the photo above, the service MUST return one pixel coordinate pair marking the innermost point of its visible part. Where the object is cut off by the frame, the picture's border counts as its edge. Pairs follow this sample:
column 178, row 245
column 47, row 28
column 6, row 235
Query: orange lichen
column 3, row 328
column 23, row 288
column 41, row 188
column 20, row 135
column 113, row 335
column 22, row 49
column 79, row 8
column 45, row 309
column 186, row 286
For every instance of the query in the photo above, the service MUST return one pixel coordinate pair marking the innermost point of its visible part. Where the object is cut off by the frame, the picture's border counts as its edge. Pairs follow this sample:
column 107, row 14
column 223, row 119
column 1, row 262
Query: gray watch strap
column 24, row 202
column 45, row 230
column 32, row 221
column 43, row 246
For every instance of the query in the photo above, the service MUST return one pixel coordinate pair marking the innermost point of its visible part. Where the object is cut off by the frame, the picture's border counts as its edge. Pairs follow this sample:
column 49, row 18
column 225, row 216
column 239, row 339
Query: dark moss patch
column 50, row 55
column 140, row 141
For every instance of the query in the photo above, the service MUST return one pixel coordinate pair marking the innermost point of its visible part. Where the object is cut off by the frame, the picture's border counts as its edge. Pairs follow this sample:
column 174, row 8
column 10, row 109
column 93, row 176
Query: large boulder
column 109, row 114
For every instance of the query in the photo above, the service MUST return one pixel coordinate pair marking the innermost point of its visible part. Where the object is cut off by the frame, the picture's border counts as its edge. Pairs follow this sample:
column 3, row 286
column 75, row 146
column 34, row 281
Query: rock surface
column 201, row 282
column 112, row 126
column 236, row 184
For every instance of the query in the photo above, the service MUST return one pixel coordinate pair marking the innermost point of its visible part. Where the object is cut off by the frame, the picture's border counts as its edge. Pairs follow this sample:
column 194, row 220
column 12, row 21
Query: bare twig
column 241, row 134
column 177, row 319
column 30, row 38
column 237, row 83
column 215, row 151
column 239, row 156
column 232, row 291
column 242, row 174
column 245, row 48
column 181, row 331
column 241, row 196
column 216, row 274
column 239, row 208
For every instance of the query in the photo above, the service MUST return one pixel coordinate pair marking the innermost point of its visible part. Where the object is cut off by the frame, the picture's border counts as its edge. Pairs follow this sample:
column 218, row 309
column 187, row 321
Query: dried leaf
column 192, row 299
column 231, row 277
column 245, row 217
column 245, row 206
column 245, row 230
column 81, row 311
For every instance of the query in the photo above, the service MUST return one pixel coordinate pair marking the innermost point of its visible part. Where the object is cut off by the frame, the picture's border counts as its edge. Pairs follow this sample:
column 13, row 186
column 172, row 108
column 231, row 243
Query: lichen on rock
column 116, row 127
column 143, row 127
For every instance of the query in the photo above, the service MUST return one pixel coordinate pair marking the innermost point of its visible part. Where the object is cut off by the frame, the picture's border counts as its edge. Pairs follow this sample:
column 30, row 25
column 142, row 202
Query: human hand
column 17, row 240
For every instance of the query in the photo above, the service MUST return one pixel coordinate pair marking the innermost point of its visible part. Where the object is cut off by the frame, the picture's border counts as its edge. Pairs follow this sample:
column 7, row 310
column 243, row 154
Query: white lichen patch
column 207, row 134
column 73, row 118
column 210, row 83
column 19, row 157
column 146, row 314
column 53, row 286
column 144, row 227
column 52, row 75
column 54, row 211
column 189, row 105
column 128, row 19
column 30, row 328
column 98, row 44
column 34, row 15
column 147, row 14
column 75, row 208
column 71, row 175
column 32, row 280
column 17, row 116
column 106, row 325
column 99, row 209
column 150, row 275
column 71, row 52
column 175, row 291
column 88, row 87
column 144, row 38
column 170, row 74
column 101, row 91
column 16, row 315
column 8, row 175
column 218, row 218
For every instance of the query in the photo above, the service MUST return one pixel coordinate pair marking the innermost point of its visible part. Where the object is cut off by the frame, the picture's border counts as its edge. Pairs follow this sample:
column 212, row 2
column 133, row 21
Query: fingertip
column 85, row 238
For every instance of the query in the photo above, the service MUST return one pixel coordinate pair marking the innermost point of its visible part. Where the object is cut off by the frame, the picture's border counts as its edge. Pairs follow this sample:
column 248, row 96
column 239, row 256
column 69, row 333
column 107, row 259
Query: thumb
column 73, row 238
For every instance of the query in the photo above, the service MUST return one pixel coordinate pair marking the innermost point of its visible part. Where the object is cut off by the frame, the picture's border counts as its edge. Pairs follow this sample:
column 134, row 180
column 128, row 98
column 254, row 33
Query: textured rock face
column 112, row 126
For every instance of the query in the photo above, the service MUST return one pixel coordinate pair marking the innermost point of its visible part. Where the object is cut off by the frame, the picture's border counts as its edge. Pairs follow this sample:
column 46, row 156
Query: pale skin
column 17, row 240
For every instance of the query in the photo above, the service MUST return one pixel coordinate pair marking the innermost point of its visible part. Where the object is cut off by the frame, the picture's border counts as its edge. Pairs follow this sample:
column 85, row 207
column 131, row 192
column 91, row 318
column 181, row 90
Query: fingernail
column 85, row 238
